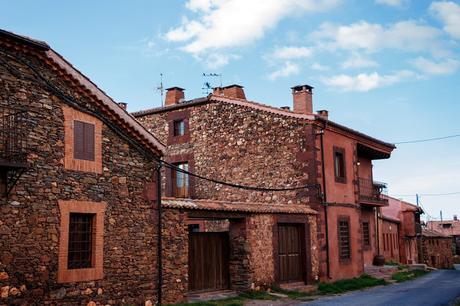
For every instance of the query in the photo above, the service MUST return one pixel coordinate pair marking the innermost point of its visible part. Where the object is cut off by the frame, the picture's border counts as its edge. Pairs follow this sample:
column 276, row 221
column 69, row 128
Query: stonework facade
column 437, row 249
column 34, row 220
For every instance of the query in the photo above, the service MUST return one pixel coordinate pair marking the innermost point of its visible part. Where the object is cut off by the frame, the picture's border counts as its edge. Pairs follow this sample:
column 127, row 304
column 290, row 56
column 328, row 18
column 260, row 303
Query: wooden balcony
column 13, row 147
column 370, row 193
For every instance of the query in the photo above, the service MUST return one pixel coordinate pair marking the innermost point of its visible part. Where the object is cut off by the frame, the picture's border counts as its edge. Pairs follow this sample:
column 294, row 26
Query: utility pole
column 440, row 214
column 416, row 199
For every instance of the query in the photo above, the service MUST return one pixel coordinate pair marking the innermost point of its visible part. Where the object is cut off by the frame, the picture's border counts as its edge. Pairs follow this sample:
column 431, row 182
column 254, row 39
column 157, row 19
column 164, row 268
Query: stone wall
column 30, row 218
column 175, row 256
column 260, row 237
column 438, row 252
column 245, row 146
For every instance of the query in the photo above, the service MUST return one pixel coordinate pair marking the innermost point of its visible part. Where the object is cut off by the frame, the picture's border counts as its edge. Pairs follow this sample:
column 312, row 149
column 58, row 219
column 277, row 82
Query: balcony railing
column 370, row 192
column 13, row 136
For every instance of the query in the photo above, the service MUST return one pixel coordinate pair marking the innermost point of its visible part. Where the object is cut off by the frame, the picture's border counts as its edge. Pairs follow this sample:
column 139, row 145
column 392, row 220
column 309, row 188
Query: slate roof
column 231, row 206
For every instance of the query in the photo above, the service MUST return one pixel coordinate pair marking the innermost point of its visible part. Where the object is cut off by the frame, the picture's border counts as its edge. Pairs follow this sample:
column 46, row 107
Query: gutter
column 324, row 200
column 160, row 238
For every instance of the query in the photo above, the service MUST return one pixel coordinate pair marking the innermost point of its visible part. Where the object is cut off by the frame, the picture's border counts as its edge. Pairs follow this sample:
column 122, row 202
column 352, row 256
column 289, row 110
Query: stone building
column 400, row 231
column 448, row 227
column 330, row 226
column 437, row 249
column 78, row 220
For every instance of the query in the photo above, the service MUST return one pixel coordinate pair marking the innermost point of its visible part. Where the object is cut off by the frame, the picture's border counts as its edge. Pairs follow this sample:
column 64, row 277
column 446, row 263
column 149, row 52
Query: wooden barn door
column 208, row 261
column 290, row 253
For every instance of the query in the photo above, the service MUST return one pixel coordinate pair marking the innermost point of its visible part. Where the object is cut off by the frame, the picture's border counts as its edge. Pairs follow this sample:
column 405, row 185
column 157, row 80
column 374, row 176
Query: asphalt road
column 436, row 288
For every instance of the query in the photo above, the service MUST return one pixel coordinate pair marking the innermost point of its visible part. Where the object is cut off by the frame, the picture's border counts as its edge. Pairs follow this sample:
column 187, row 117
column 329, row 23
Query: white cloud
column 231, row 23
column 357, row 61
column 287, row 70
column 218, row 60
column 319, row 67
column 365, row 82
column 449, row 13
column 447, row 66
column 372, row 37
column 391, row 2
column 292, row 53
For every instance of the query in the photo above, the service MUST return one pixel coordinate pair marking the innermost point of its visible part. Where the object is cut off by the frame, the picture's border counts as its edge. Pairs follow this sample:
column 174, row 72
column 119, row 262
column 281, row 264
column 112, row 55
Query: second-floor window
column 83, row 136
column 180, row 181
column 179, row 127
column 339, row 165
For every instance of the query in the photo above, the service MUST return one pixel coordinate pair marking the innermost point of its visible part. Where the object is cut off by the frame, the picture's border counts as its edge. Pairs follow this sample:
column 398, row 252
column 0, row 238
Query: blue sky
column 389, row 68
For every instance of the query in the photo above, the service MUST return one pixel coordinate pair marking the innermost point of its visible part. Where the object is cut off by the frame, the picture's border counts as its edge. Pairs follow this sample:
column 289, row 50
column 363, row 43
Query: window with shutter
column 344, row 239
column 84, row 140
column 180, row 181
column 339, row 165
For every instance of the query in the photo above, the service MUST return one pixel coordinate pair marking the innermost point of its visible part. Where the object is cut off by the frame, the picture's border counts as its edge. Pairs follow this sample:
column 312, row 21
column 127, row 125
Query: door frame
column 305, row 243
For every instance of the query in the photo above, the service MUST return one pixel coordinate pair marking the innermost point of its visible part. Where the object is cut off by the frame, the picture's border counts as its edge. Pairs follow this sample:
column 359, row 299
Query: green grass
column 290, row 293
column 364, row 281
column 407, row 275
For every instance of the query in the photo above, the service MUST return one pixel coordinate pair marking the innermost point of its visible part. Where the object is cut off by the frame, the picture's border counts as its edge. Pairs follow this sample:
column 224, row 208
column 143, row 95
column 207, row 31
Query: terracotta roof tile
column 433, row 233
column 230, row 206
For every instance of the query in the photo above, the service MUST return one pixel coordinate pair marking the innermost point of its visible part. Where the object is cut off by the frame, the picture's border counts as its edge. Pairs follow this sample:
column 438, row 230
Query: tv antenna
column 207, row 84
column 160, row 88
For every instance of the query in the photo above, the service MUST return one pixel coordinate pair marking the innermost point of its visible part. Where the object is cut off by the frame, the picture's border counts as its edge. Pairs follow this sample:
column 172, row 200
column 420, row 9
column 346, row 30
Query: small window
column 366, row 234
column 339, row 165
column 179, row 128
column 446, row 225
column 181, row 181
column 81, row 232
column 344, row 240
column 83, row 135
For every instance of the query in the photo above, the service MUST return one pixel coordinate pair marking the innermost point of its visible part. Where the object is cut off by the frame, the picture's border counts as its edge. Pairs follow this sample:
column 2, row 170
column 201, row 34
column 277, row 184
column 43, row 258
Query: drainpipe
column 160, row 247
column 321, row 133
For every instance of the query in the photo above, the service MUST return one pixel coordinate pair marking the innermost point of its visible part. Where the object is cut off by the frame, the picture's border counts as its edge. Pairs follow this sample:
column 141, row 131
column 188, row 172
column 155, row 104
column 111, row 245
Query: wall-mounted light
column 358, row 163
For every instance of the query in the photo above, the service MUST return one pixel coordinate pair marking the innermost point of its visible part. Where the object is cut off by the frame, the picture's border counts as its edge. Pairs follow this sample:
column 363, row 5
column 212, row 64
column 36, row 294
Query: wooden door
column 208, row 261
column 290, row 253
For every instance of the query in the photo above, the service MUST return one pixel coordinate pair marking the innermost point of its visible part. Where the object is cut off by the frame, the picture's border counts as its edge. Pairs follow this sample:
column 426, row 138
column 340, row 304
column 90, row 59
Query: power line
column 427, row 194
column 427, row 139
column 240, row 186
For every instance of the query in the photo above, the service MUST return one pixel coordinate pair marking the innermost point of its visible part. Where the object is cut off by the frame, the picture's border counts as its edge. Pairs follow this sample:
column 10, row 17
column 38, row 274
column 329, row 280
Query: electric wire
column 427, row 139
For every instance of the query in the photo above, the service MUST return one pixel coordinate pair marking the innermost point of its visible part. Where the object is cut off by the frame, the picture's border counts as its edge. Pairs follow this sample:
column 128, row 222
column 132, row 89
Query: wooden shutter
column 78, row 140
column 84, row 140
column 89, row 141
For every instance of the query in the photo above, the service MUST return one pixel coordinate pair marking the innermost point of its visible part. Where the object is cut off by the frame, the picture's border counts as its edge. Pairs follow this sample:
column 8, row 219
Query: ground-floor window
column 81, row 245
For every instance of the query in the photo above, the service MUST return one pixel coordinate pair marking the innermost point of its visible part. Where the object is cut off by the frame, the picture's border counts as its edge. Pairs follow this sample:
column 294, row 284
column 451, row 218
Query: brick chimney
column 174, row 95
column 231, row 91
column 323, row 113
column 302, row 99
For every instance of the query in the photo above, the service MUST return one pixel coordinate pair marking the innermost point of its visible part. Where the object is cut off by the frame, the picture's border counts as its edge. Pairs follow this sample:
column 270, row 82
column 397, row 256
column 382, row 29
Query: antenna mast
column 160, row 88
column 207, row 85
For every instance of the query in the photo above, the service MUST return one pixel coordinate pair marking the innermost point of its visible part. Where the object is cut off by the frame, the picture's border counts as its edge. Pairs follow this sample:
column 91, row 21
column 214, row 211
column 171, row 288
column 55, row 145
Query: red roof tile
column 230, row 206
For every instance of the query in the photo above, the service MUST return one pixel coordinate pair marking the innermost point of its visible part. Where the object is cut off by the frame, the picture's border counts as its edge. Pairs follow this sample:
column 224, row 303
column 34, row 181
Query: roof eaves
column 108, row 101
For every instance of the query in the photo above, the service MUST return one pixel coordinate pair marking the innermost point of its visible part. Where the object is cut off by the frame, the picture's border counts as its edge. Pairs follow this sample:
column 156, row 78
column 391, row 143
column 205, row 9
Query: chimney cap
column 175, row 87
column 300, row 87
column 233, row 85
